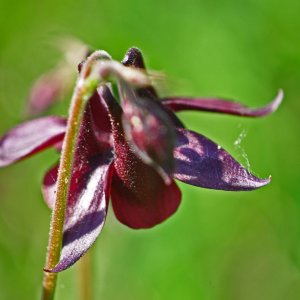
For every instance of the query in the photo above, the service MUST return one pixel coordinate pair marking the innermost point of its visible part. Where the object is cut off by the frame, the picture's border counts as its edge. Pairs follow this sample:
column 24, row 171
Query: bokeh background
column 219, row 245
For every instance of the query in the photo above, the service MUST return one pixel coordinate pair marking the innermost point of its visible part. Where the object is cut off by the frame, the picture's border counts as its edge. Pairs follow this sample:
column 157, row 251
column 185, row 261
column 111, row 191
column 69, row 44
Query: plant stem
column 90, row 77
column 83, row 91
column 85, row 277
column 63, row 179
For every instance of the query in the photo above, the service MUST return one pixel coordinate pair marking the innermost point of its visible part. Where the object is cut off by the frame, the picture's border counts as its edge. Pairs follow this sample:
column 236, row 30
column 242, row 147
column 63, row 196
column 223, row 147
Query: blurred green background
column 219, row 245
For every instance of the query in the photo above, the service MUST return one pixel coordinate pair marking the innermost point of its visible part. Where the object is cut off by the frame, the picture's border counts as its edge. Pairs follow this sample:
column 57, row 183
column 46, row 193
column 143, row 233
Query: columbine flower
column 131, row 153
column 55, row 84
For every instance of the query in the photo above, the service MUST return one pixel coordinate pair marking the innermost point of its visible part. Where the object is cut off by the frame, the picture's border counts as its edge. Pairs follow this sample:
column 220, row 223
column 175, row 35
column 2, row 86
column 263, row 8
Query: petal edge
column 222, row 106
column 203, row 163
column 31, row 137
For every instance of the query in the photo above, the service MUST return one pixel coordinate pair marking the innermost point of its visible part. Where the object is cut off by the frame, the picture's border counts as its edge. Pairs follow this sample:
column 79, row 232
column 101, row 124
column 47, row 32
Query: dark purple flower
column 131, row 153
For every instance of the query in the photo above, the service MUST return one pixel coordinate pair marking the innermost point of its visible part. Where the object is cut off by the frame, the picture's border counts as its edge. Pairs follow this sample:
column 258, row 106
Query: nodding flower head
column 129, row 152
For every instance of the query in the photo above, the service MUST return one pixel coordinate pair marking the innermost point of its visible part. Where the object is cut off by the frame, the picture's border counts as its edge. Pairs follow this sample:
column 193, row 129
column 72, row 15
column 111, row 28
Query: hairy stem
column 83, row 90
column 64, row 175
column 95, row 70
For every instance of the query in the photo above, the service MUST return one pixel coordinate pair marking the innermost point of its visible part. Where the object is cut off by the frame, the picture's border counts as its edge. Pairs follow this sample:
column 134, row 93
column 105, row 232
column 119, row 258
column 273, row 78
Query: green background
column 219, row 245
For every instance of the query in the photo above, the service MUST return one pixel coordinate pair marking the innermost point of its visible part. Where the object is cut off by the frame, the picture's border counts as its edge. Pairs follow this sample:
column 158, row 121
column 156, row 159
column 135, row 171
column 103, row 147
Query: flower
column 55, row 84
column 131, row 153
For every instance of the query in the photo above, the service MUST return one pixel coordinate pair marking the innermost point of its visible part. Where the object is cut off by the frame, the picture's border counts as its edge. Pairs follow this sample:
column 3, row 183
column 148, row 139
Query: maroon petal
column 88, row 193
column 149, row 130
column 102, row 131
column 30, row 137
column 142, row 200
column 140, row 197
column 222, row 106
column 203, row 163
column 100, row 120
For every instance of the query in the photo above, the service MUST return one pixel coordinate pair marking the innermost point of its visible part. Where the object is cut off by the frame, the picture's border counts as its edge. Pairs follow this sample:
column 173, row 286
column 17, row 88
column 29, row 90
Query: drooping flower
column 131, row 153
column 55, row 84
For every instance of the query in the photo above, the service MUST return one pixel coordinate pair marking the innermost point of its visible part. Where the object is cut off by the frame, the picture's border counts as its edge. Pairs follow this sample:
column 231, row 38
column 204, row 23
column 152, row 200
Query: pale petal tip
column 264, row 181
column 277, row 101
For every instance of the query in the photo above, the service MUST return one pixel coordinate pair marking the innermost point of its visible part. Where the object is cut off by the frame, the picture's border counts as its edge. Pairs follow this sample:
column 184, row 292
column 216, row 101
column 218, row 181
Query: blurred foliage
column 219, row 245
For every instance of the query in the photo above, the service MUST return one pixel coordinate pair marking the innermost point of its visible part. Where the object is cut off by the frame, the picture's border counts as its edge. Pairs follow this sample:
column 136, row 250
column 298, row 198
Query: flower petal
column 102, row 130
column 222, row 106
column 203, row 163
column 143, row 200
column 86, row 216
column 88, row 194
column 100, row 120
column 140, row 197
column 149, row 130
column 30, row 137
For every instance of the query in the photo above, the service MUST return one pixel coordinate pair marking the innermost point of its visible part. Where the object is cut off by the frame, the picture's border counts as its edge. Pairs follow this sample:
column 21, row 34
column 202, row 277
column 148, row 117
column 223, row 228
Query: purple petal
column 222, row 106
column 149, row 130
column 203, row 163
column 88, row 193
column 30, row 137
column 86, row 217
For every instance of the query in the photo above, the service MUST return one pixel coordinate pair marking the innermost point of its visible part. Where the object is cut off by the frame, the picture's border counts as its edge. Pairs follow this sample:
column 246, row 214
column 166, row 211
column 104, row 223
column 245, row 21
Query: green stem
column 83, row 91
column 90, row 77
column 63, row 179
column 85, row 277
